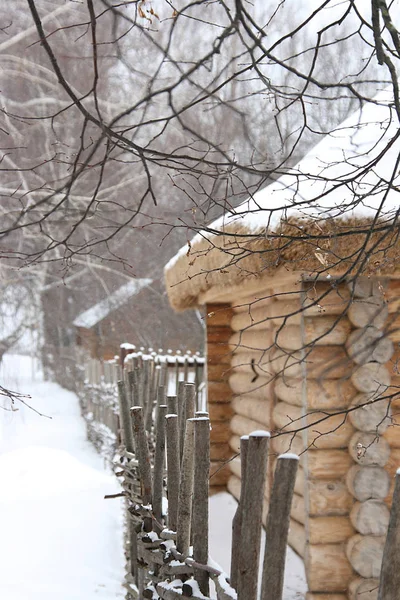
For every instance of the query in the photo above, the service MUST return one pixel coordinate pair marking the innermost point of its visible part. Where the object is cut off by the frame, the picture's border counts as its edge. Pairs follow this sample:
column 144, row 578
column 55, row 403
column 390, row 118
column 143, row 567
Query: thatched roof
column 335, row 212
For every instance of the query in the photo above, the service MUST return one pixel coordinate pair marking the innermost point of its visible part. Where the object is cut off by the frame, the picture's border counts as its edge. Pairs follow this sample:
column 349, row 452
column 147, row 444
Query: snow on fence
column 168, row 508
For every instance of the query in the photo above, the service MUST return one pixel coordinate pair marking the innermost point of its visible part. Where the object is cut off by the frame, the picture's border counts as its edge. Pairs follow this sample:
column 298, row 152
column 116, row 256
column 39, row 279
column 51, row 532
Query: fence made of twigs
column 164, row 467
column 99, row 398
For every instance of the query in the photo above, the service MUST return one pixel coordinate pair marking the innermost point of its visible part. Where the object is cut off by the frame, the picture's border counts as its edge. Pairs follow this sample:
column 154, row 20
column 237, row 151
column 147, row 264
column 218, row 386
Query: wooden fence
column 167, row 507
column 98, row 394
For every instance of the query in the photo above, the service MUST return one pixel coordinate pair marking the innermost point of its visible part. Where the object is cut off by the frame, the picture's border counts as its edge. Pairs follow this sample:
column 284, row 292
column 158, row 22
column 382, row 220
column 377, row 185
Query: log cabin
column 300, row 288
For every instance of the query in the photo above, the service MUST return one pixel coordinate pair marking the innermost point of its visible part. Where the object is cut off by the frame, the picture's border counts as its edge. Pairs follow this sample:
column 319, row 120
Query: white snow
column 289, row 455
column 99, row 311
column 59, row 537
column 260, row 433
column 321, row 185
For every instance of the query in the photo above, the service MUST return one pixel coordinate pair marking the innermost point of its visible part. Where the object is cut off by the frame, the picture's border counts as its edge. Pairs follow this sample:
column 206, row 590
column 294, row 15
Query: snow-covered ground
column 59, row 538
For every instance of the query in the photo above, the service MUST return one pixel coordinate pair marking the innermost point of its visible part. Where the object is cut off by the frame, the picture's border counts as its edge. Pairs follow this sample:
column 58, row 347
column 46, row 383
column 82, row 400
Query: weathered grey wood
column 158, row 473
column 390, row 574
column 181, row 415
column 147, row 385
column 190, row 400
column 153, row 394
column 278, row 527
column 133, row 551
column 370, row 517
column 186, row 491
column 200, row 499
column 172, row 404
column 125, row 417
column 143, row 456
column 237, row 519
column 131, row 385
column 256, row 467
column 173, row 469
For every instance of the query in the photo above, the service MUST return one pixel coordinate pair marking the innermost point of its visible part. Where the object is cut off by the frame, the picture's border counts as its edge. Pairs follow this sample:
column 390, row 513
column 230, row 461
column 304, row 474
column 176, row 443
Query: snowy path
column 59, row 539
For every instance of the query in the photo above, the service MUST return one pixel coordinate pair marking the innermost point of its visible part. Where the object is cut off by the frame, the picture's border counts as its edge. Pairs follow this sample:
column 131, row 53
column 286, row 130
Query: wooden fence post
column 256, row 467
column 143, row 455
column 278, row 527
column 158, row 473
column 390, row 574
column 237, row 519
column 186, row 492
column 125, row 417
column 200, row 499
column 173, row 469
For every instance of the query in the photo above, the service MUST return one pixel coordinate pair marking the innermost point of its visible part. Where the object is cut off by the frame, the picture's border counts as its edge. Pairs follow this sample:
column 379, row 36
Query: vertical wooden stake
column 186, row 492
column 143, row 456
column 390, row 574
column 173, row 469
column 249, row 555
column 172, row 404
column 200, row 499
column 125, row 417
column 158, row 473
column 237, row 519
column 278, row 527
column 181, row 415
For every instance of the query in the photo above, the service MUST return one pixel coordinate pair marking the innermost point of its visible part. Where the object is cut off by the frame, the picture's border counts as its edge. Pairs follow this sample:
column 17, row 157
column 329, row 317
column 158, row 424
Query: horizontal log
column 218, row 315
column 299, row 483
column 243, row 426
column 392, row 434
column 218, row 373
column 320, row 394
column 219, row 473
column 329, row 498
column 364, row 553
column 371, row 378
column 327, row 567
column 251, row 340
column 258, row 296
column 220, row 432
column 255, row 363
column 369, row 344
column 364, row 287
column 334, row 432
column 234, row 444
column 323, row 362
column 366, row 449
column 329, row 530
column 255, row 409
column 218, row 335
column 244, row 383
column 363, row 589
column 374, row 416
column 326, row 331
column 393, row 328
column 298, row 510
column 297, row 537
column 328, row 464
column 370, row 517
column 219, row 354
column 368, row 483
column 368, row 311
column 322, row 596
column 290, row 442
column 255, row 317
column 219, row 392
column 220, row 452
column 220, row 411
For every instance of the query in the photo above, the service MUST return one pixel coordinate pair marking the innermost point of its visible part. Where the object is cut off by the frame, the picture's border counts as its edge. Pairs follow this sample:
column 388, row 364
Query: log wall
column 218, row 320
column 294, row 368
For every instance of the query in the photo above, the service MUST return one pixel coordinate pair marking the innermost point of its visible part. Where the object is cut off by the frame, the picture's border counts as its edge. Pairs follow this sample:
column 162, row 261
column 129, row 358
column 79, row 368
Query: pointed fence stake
column 278, row 527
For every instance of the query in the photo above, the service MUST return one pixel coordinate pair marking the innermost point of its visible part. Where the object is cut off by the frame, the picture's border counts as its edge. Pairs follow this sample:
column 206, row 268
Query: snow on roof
column 102, row 309
column 353, row 173
column 322, row 184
